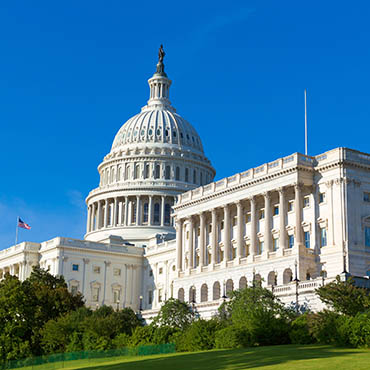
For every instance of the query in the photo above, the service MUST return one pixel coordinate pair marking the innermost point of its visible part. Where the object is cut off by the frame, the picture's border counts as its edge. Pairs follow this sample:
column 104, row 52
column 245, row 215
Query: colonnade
column 17, row 269
column 233, row 244
column 130, row 211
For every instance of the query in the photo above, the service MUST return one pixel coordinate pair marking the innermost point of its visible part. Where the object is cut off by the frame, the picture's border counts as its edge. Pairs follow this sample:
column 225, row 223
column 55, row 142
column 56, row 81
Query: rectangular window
column 150, row 297
column 160, row 270
column 95, row 296
column 222, row 225
column 291, row 241
column 248, row 218
column 260, row 247
column 262, row 214
column 306, row 201
column 322, row 198
column 275, row 243
column 367, row 236
column 74, row 267
column 74, row 289
column 116, row 296
column 117, row 272
column 366, row 196
column 276, row 210
column 290, row 206
column 307, row 239
column 323, row 241
column 96, row 269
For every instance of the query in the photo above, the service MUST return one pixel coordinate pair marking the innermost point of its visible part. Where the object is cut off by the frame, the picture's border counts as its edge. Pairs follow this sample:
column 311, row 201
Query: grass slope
column 286, row 357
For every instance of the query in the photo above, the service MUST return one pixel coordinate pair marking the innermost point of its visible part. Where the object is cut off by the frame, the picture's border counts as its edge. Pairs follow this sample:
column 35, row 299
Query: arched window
column 167, row 214
column 194, row 177
column 216, row 291
column 137, row 171
column 229, row 287
column 119, row 174
column 192, row 294
column 106, row 177
column 167, row 172
column 242, row 282
column 204, row 293
column 156, row 218
column 146, row 171
column 181, row 295
column 133, row 213
column 157, row 172
column 177, row 174
column 145, row 213
column 112, row 175
column 127, row 172
column 287, row 276
column 272, row 278
column 258, row 280
column 186, row 174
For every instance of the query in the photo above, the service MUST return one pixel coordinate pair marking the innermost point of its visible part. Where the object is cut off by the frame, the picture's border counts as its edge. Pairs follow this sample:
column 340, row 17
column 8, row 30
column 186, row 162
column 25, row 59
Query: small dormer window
column 367, row 196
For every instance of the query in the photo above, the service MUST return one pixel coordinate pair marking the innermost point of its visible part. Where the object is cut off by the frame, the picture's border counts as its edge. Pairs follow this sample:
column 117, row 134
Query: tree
column 175, row 314
column 344, row 297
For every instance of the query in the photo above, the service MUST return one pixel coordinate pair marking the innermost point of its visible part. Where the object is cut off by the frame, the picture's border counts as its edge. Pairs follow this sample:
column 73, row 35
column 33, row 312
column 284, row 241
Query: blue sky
column 72, row 72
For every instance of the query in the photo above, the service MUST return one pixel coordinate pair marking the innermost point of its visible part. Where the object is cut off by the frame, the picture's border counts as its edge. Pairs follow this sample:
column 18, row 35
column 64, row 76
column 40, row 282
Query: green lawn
column 273, row 358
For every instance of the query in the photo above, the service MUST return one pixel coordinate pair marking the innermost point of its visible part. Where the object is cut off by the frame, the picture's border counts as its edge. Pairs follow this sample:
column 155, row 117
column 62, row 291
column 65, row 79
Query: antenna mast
column 305, row 121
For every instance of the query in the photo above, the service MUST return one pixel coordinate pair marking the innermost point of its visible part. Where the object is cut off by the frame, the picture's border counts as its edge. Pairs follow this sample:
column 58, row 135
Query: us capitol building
column 159, row 227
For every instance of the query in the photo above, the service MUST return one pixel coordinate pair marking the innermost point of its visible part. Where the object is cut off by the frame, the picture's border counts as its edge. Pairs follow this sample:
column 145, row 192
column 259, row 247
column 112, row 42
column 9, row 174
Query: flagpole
column 16, row 232
column 305, row 122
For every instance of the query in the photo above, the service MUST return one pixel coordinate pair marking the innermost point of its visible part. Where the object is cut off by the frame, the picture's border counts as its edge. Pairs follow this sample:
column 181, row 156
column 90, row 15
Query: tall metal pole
column 305, row 121
column 16, row 231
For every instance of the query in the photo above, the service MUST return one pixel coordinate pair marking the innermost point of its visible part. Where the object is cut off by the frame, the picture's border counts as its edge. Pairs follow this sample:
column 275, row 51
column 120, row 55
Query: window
column 74, row 289
column 260, row 247
column 323, row 241
column 187, row 234
column 167, row 214
column 291, row 241
column 150, row 297
column 116, row 295
column 276, row 210
column 307, row 239
column 96, row 270
column 186, row 174
column 322, row 198
column 133, row 219
column 127, row 172
column 177, row 176
column 157, row 172
column 248, row 218
column 366, row 197
column 95, row 295
column 201, row 178
column 117, row 272
column 74, row 267
column 145, row 213
column 290, row 206
column 160, row 270
column 367, row 236
column 167, row 174
column 160, row 295
column 137, row 171
column 262, row 214
column 194, row 177
column 156, row 213
column 275, row 242
column 146, row 171
column 306, row 201
column 150, row 272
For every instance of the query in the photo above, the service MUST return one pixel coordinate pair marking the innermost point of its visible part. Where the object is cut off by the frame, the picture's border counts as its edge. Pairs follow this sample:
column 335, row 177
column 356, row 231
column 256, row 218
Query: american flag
column 23, row 225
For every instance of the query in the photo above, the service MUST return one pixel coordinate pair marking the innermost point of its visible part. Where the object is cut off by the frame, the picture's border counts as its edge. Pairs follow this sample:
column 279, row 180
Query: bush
column 163, row 334
column 300, row 332
column 142, row 335
column 359, row 330
column 232, row 337
column 121, row 340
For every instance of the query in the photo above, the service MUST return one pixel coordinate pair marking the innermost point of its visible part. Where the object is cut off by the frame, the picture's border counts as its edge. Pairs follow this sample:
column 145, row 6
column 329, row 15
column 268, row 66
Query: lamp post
column 117, row 304
column 224, row 291
column 296, row 284
column 254, row 278
column 192, row 301
column 140, row 303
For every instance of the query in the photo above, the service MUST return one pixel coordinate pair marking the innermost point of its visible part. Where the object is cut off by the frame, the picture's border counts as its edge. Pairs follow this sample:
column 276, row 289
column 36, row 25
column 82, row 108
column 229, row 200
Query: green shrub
column 142, row 335
column 163, row 334
column 121, row 340
column 232, row 337
column 300, row 332
column 359, row 330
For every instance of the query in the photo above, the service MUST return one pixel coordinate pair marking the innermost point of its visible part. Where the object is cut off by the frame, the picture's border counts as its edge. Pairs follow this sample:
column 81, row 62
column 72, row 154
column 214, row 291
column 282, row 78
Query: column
column 114, row 223
column 150, row 211
column 88, row 218
column 138, row 210
column 282, row 219
column 191, row 245
column 162, row 210
column 106, row 213
column 253, row 237
column 119, row 220
column 214, row 235
column 298, row 213
column 267, row 233
column 93, row 220
column 201, row 239
column 126, row 211
column 227, row 244
column 98, row 221
column 239, row 230
column 179, row 248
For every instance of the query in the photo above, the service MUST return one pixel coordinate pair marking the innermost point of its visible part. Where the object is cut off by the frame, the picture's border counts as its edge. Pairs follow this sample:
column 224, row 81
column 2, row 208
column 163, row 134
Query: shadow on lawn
column 233, row 359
